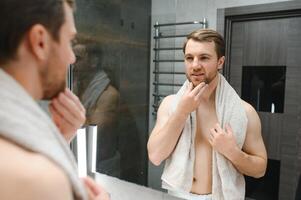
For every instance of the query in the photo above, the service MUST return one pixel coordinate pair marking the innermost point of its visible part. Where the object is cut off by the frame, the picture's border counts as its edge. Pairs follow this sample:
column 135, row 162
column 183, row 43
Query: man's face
column 81, row 55
column 87, row 58
column 201, row 62
column 80, row 67
column 60, row 57
column 83, row 59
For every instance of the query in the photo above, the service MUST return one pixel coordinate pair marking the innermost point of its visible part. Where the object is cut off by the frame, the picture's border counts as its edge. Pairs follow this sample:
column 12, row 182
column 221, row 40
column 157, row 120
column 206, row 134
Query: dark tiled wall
column 121, row 29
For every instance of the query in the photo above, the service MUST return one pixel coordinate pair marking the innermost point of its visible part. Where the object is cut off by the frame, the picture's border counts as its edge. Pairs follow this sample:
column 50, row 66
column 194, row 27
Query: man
column 35, row 50
column 208, row 136
column 100, row 98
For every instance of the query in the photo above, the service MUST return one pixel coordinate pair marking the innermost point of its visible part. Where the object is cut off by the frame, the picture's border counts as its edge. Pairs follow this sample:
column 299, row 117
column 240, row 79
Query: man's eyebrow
column 205, row 54
column 202, row 54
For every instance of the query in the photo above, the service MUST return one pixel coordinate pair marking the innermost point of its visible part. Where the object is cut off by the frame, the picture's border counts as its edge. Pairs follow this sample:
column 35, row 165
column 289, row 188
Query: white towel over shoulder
column 25, row 123
column 227, row 182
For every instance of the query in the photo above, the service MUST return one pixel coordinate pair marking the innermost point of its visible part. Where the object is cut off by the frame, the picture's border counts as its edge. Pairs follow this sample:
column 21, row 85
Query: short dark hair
column 208, row 35
column 17, row 17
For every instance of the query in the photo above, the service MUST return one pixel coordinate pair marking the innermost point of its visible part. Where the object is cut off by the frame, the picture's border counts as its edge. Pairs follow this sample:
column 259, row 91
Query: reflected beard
column 207, row 80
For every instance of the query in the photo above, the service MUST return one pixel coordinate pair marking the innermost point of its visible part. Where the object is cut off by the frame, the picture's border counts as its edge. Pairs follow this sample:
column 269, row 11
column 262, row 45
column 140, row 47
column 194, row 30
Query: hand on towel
column 192, row 98
column 67, row 113
column 223, row 141
column 95, row 191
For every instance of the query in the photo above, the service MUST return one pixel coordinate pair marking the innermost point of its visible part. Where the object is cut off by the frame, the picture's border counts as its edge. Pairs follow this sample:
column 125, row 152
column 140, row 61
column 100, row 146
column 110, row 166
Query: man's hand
column 223, row 141
column 67, row 113
column 95, row 191
column 192, row 98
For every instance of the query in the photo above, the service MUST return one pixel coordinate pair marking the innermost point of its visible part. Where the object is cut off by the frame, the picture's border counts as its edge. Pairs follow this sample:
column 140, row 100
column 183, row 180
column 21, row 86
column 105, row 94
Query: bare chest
column 203, row 153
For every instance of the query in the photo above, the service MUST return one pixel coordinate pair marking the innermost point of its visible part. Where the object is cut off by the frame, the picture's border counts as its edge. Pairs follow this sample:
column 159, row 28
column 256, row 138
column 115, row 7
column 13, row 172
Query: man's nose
column 196, row 63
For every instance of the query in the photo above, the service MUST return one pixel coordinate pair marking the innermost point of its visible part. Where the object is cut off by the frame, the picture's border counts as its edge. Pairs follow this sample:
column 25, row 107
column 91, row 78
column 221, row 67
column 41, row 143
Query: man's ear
column 39, row 42
column 221, row 62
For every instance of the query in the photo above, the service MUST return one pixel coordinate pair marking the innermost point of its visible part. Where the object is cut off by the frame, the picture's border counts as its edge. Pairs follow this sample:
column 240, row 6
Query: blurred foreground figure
column 35, row 51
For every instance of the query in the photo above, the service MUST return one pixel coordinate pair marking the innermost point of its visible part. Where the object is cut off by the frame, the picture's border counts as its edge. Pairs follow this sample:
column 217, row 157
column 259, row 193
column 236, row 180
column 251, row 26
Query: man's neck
column 26, row 76
column 209, row 93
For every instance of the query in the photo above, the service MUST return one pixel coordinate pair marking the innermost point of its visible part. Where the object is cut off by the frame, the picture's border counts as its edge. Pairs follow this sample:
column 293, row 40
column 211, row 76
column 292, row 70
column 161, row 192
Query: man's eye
column 189, row 59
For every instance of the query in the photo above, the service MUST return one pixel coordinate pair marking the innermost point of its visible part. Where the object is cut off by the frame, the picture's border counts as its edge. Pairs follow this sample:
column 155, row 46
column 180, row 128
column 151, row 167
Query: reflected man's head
column 204, row 52
column 88, row 57
column 39, row 33
column 208, row 35
column 88, row 63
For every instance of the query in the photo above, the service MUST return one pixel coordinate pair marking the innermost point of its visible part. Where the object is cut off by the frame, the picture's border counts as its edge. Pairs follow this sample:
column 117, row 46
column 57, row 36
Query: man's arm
column 30, row 176
column 252, row 159
column 168, row 129
column 166, row 132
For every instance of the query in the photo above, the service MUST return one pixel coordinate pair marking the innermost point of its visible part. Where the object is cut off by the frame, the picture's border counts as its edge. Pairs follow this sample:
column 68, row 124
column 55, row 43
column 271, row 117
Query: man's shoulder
column 252, row 115
column 109, row 96
column 166, row 102
column 164, row 107
column 168, row 99
column 29, row 173
column 250, row 110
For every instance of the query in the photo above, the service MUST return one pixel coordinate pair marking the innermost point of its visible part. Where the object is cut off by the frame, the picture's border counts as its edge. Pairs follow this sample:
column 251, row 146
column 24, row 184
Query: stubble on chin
column 207, row 81
column 53, row 91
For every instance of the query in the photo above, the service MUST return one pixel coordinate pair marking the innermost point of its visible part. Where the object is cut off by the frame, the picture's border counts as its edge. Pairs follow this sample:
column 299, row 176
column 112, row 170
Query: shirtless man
column 35, row 51
column 204, row 57
column 93, row 86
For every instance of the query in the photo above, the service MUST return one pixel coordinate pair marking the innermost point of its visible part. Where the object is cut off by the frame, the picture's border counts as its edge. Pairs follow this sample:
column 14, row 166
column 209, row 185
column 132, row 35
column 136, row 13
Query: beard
column 206, row 79
column 54, row 90
column 52, row 85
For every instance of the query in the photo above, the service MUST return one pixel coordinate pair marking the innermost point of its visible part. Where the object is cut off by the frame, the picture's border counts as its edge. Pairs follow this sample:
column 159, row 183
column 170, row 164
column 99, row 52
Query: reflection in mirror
column 116, row 34
column 101, row 100
column 264, row 87
column 265, row 187
column 203, row 132
column 110, row 77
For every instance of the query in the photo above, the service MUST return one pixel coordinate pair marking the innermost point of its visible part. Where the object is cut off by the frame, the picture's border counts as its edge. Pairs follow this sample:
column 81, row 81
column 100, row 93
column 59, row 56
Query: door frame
column 227, row 16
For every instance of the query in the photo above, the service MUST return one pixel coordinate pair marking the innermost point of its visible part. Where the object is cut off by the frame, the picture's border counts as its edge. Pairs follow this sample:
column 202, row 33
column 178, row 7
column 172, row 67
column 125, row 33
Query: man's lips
column 197, row 75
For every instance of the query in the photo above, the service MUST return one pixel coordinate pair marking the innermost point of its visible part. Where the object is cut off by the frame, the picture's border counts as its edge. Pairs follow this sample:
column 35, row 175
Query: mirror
column 110, row 77
column 114, row 71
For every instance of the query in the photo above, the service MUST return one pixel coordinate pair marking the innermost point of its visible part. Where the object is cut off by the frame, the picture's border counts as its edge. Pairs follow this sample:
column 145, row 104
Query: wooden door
column 263, row 47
